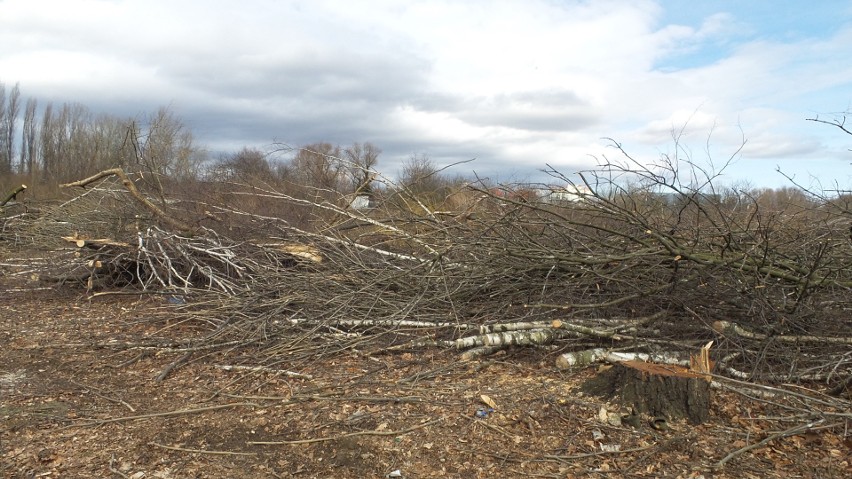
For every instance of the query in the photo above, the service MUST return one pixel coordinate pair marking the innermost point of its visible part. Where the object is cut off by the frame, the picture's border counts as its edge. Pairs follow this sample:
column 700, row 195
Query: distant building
column 517, row 193
column 564, row 194
column 362, row 202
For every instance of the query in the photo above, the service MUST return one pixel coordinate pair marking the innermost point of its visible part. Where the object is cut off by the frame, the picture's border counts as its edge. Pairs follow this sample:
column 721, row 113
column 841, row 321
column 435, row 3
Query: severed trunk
column 659, row 390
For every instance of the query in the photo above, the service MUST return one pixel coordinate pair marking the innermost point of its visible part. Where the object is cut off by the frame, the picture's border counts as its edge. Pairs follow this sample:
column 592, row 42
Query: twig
column 131, row 188
column 394, row 399
column 96, row 392
column 179, row 412
column 597, row 453
column 660, row 448
column 351, row 434
column 349, row 399
column 202, row 451
column 431, row 373
column 227, row 367
column 772, row 390
column 165, row 346
column 480, row 352
column 793, row 431
column 841, row 387
column 727, row 327
column 113, row 470
column 171, row 367
column 493, row 427
column 133, row 360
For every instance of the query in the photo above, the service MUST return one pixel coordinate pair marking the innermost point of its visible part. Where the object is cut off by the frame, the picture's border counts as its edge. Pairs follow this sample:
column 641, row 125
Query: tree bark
column 12, row 194
column 663, row 390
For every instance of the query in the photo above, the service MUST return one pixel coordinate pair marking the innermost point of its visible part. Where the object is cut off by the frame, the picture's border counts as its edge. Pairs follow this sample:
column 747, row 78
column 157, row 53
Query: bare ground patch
column 75, row 403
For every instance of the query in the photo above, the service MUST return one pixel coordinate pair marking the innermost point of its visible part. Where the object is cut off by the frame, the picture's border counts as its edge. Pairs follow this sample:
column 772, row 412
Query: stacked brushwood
column 639, row 263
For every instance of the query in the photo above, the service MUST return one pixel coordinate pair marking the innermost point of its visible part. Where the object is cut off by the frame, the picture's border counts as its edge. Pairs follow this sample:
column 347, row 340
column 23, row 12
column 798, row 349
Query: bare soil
column 77, row 399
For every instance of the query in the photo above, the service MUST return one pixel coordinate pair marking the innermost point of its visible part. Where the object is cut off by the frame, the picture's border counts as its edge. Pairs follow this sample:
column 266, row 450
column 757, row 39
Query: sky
column 515, row 84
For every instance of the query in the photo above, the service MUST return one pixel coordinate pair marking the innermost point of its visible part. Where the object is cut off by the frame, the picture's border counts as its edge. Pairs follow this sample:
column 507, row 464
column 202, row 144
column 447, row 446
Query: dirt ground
column 78, row 398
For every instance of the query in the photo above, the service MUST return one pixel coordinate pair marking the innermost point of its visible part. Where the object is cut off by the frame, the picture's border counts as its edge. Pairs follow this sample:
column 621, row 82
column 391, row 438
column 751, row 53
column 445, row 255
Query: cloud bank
column 514, row 84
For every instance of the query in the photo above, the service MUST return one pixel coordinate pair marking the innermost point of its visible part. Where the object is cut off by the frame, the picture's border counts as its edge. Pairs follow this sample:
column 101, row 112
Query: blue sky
column 515, row 84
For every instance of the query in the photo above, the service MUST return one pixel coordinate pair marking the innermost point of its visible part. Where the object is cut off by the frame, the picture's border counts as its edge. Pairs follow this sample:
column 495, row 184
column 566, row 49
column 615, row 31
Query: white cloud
column 513, row 83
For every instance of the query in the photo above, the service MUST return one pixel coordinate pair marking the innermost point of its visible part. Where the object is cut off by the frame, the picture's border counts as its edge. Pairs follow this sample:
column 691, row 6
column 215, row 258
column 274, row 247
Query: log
column 13, row 195
column 659, row 390
column 82, row 242
column 600, row 355
column 726, row 327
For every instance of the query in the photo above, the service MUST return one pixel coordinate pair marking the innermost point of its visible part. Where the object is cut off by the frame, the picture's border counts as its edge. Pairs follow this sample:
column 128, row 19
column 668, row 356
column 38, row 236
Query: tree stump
column 665, row 390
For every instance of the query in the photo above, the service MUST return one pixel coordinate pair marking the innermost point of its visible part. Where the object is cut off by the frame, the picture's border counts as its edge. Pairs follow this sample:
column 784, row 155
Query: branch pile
column 644, row 263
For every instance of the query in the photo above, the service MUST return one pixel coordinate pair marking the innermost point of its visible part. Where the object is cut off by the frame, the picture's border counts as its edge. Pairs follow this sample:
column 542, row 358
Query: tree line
column 50, row 143
column 53, row 143
column 62, row 142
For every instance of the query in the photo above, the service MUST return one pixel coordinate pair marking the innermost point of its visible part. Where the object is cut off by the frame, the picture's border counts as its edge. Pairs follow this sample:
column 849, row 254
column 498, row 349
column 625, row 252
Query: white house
column 566, row 193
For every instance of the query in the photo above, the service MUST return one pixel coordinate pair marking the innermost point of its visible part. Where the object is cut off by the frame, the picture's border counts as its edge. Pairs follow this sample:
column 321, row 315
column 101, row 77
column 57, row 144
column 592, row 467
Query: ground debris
column 335, row 417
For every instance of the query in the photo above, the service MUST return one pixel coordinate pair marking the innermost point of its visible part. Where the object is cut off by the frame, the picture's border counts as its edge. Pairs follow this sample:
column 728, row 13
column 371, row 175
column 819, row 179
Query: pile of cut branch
column 643, row 262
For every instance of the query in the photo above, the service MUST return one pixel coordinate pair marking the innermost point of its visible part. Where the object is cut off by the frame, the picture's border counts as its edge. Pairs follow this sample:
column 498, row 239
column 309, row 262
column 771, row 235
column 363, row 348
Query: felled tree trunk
column 663, row 390
column 12, row 194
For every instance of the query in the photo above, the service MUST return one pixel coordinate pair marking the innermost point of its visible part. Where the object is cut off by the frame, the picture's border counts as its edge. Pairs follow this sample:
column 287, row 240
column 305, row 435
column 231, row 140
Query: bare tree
column 73, row 135
column 420, row 175
column 362, row 160
column 59, row 129
column 73, row 142
column 247, row 165
column 4, row 164
column 27, row 164
column 318, row 166
column 165, row 147
column 47, row 143
column 8, row 120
